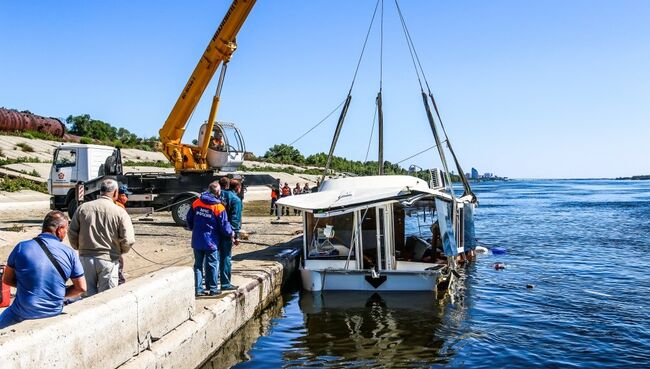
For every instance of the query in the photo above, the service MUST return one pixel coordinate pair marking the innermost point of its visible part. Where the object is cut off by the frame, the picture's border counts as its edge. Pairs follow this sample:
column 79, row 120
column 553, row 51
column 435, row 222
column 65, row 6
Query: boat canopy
column 352, row 192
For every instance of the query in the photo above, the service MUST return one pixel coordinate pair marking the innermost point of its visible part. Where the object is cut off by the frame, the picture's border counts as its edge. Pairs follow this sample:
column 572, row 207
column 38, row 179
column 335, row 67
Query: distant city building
column 488, row 175
column 468, row 176
column 474, row 173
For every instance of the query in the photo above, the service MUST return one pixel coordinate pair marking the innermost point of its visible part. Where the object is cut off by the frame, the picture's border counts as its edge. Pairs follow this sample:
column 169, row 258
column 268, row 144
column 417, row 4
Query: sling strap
column 51, row 257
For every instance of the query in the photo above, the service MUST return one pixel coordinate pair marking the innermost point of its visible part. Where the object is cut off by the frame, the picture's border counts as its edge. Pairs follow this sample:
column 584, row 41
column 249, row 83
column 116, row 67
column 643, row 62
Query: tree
column 84, row 126
column 284, row 154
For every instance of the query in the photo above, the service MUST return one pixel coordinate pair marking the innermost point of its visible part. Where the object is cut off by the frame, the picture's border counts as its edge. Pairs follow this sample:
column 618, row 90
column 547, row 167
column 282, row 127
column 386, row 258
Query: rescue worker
column 284, row 192
column 122, row 198
column 233, row 205
column 208, row 221
column 306, row 189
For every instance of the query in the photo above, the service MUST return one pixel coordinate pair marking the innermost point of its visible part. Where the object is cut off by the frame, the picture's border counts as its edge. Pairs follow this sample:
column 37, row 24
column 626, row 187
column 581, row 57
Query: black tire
column 72, row 207
column 180, row 209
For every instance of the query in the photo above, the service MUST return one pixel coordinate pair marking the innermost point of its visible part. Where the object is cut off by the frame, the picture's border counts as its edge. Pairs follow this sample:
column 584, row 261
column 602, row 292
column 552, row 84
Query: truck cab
column 73, row 163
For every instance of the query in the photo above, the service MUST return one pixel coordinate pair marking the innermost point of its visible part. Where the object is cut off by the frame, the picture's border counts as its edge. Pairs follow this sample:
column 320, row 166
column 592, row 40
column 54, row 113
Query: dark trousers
column 225, row 262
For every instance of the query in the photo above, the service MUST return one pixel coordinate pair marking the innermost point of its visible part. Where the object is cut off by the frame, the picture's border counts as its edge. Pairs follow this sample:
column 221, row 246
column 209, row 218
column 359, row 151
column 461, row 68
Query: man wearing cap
column 101, row 232
column 122, row 198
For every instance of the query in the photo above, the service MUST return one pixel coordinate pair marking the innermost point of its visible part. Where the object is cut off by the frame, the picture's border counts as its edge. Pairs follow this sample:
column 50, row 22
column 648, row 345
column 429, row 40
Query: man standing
column 102, row 232
column 208, row 221
column 122, row 198
column 284, row 192
column 234, row 209
column 39, row 269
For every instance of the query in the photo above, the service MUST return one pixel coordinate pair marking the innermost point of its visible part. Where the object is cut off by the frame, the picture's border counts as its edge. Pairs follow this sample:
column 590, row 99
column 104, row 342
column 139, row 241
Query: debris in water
column 530, row 286
column 499, row 266
column 498, row 250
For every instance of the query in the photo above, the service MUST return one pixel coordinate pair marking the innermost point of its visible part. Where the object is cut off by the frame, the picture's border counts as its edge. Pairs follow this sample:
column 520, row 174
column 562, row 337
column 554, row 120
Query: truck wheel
column 72, row 207
column 179, row 211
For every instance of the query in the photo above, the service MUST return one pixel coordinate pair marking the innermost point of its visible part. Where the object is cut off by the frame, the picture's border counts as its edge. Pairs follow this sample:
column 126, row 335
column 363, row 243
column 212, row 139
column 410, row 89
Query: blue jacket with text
column 208, row 221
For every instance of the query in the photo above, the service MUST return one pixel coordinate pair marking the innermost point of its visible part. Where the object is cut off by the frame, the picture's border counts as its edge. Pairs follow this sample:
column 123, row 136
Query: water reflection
column 236, row 349
column 373, row 330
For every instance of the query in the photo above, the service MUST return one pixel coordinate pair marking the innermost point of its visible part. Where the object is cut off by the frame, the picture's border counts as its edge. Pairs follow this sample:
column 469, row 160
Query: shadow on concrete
column 271, row 252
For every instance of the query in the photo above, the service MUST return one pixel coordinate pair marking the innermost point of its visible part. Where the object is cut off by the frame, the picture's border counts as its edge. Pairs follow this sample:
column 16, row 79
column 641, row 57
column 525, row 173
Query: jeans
column 100, row 274
column 211, row 260
column 8, row 317
column 225, row 263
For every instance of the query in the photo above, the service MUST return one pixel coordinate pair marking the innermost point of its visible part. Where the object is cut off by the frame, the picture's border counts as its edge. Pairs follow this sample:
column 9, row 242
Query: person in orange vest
column 122, row 198
column 284, row 192
column 275, row 195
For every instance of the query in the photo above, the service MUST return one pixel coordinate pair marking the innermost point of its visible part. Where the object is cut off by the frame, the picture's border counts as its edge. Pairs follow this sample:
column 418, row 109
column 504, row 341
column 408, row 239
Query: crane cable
column 466, row 185
column 344, row 110
column 319, row 123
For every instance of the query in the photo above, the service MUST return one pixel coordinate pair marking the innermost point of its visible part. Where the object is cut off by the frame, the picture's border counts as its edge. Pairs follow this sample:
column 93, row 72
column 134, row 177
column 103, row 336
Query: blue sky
column 546, row 89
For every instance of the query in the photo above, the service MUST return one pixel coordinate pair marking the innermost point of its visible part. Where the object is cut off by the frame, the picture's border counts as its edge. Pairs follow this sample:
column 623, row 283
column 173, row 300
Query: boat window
column 329, row 237
column 416, row 229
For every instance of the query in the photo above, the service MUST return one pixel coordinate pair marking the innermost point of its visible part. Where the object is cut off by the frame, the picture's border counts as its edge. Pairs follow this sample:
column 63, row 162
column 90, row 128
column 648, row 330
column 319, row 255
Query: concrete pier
column 151, row 322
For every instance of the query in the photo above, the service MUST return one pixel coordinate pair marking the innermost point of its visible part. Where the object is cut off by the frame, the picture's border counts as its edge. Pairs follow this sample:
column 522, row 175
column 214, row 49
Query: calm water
column 583, row 245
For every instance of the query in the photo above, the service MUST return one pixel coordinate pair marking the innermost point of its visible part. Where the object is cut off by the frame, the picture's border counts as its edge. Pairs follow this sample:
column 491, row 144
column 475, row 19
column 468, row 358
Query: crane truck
column 78, row 170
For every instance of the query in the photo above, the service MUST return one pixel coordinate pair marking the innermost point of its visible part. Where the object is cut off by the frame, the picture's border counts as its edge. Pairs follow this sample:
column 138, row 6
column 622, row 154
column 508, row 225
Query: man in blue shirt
column 233, row 204
column 41, row 287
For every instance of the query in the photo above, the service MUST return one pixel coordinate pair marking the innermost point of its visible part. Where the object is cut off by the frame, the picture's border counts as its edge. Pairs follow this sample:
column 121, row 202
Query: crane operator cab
column 226, row 149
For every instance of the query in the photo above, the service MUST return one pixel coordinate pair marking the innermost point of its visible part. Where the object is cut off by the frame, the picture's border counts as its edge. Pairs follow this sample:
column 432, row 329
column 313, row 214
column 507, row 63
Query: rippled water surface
column 584, row 247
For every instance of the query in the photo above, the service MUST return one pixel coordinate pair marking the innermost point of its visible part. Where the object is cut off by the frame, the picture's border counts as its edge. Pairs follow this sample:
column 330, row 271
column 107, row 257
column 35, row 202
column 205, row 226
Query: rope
column 372, row 130
column 363, row 49
column 410, row 46
column 319, row 123
column 418, row 153
column 159, row 263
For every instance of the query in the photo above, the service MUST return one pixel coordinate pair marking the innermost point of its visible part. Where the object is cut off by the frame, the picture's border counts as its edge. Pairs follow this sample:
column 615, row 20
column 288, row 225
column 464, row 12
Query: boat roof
column 351, row 192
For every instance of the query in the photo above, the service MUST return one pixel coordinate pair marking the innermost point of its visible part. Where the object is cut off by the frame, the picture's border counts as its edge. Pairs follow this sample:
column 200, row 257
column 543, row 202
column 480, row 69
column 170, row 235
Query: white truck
column 87, row 165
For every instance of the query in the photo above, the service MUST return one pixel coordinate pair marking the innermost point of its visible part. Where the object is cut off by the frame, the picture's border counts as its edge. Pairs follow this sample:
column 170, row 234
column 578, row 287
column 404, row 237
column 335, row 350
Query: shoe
column 230, row 287
column 215, row 293
column 201, row 294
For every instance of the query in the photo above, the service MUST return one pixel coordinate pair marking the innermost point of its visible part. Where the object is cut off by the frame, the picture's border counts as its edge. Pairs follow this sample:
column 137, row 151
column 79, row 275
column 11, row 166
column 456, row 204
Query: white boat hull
column 359, row 280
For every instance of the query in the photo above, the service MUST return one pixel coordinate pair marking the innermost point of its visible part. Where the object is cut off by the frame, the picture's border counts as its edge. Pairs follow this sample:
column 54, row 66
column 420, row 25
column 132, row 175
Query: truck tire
column 72, row 207
column 182, row 204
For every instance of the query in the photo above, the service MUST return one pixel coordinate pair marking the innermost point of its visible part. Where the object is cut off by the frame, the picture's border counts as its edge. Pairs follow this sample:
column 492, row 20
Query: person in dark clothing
column 233, row 205
column 208, row 221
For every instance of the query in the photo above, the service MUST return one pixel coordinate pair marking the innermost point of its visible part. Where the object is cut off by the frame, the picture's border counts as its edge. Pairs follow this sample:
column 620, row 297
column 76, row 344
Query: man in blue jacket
column 208, row 221
column 231, row 200
column 39, row 269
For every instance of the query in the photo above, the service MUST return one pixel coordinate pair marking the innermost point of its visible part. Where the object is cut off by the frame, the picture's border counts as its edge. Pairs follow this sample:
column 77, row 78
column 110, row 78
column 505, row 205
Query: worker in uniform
column 122, row 198
column 233, row 204
column 284, row 192
column 208, row 221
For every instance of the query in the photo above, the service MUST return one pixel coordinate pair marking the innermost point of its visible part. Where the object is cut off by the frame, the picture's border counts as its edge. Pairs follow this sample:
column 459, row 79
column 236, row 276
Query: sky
column 545, row 89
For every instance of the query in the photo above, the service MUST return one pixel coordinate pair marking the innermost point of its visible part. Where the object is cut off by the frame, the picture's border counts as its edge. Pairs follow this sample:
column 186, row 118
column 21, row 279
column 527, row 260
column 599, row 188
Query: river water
column 583, row 246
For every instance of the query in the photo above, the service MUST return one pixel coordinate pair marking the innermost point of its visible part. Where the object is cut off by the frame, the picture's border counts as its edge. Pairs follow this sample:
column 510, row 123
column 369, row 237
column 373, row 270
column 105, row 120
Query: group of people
column 215, row 222
column 39, row 268
column 101, row 231
column 279, row 192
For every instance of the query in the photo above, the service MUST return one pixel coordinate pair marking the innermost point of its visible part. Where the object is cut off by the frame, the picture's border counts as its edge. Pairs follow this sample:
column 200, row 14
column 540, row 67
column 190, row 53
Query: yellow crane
column 204, row 157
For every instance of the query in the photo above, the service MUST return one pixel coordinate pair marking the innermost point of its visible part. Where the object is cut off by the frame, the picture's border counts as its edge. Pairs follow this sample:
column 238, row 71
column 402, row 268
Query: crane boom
column 219, row 51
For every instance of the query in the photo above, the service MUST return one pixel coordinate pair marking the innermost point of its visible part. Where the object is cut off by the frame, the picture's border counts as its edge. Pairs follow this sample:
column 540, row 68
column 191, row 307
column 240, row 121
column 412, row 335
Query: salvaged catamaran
column 387, row 232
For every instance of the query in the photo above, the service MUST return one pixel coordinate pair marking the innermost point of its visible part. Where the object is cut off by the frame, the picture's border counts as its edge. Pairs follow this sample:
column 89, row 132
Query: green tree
column 284, row 154
column 85, row 126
